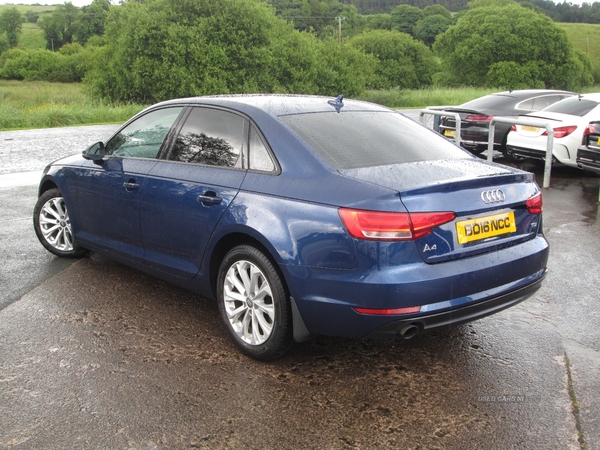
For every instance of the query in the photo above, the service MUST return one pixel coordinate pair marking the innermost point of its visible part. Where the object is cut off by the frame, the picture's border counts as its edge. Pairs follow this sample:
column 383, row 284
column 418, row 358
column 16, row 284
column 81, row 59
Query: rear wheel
column 53, row 225
column 253, row 303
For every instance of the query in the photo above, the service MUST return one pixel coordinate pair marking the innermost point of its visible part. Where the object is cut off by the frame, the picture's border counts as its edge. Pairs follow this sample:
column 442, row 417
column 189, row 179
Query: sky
column 80, row 3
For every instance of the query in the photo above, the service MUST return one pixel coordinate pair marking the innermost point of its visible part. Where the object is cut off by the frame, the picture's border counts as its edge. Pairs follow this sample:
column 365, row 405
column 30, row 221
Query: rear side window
column 574, row 106
column 211, row 137
column 353, row 139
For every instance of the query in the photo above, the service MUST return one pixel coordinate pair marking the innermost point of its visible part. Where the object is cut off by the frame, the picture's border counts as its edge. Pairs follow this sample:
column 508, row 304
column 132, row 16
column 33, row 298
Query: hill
column 586, row 37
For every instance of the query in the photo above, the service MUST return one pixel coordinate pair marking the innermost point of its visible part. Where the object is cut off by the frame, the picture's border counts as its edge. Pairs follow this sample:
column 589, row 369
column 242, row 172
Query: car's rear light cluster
column 559, row 132
column 562, row 132
column 590, row 129
column 391, row 226
column 479, row 118
column 534, row 204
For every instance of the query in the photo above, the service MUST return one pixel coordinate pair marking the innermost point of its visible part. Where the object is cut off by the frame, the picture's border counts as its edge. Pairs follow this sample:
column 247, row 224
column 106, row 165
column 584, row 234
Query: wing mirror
column 95, row 152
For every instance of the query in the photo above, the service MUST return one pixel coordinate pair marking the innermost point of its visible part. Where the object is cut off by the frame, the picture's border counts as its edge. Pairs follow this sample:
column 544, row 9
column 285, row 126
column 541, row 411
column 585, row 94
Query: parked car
column 302, row 216
column 475, row 116
column 588, row 154
column 569, row 118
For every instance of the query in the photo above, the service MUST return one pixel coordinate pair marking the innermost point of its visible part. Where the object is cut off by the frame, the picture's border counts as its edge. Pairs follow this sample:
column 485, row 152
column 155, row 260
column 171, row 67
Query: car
column 588, row 154
column 302, row 216
column 475, row 116
column 569, row 118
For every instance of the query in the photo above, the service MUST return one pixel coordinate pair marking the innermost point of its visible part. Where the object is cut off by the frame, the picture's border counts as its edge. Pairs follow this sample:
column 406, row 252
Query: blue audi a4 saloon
column 302, row 216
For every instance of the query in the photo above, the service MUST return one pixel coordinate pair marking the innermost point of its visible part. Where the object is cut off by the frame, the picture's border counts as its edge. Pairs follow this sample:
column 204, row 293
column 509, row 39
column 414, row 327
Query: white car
column 568, row 119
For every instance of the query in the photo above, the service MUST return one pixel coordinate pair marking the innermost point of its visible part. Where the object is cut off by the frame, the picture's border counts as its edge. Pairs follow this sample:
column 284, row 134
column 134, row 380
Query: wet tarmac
column 96, row 355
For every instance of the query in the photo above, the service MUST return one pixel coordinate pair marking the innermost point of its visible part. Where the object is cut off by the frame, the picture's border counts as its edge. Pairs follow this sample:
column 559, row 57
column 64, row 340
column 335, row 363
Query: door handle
column 209, row 198
column 131, row 185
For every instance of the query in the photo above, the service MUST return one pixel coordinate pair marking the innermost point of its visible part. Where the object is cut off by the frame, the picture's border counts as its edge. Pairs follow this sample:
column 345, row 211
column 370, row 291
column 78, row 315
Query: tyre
column 53, row 225
column 254, row 304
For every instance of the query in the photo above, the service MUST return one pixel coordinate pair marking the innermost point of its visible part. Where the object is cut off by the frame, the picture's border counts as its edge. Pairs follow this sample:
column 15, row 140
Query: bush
column 487, row 43
column 401, row 61
column 68, row 66
column 174, row 48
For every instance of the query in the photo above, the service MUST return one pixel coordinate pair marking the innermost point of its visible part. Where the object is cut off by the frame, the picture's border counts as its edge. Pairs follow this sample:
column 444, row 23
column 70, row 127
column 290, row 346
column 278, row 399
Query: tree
column 433, row 10
column 405, row 17
column 402, row 62
column 430, row 27
column 11, row 22
column 91, row 20
column 475, row 50
column 163, row 49
column 59, row 27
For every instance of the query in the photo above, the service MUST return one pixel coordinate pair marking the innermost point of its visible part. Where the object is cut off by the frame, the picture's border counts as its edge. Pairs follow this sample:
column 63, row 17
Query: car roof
column 279, row 105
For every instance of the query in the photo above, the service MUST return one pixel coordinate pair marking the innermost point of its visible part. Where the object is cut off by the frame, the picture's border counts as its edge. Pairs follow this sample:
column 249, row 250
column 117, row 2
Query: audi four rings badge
column 493, row 196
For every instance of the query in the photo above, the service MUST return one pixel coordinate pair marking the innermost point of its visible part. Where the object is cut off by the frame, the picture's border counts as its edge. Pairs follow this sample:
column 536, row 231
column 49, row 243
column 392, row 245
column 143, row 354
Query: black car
column 588, row 154
column 476, row 116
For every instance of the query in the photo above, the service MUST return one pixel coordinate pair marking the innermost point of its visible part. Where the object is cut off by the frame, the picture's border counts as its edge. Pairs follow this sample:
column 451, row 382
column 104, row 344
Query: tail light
column 534, row 204
column 479, row 118
column 513, row 127
column 562, row 132
column 391, row 226
column 590, row 129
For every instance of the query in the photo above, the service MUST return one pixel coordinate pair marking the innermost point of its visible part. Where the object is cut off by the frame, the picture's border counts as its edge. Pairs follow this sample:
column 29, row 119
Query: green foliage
column 433, row 10
column 405, row 18
column 172, row 48
column 91, row 21
column 31, row 17
column 59, row 28
column 378, row 22
column 39, row 104
column 11, row 22
column 477, row 49
column 586, row 38
column 4, row 44
column 401, row 61
column 430, row 27
column 68, row 65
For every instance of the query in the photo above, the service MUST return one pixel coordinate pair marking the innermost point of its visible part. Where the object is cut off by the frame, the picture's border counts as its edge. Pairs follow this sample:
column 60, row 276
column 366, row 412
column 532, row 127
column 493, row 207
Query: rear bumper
column 445, row 293
column 459, row 315
column 588, row 160
column 526, row 152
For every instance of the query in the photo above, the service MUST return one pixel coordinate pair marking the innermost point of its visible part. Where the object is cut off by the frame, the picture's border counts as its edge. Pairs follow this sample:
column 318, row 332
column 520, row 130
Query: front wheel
column 53, row 225
column 253, row 303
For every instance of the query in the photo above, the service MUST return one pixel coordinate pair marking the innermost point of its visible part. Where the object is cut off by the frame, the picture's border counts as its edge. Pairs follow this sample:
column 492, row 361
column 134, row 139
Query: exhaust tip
column 409, row 331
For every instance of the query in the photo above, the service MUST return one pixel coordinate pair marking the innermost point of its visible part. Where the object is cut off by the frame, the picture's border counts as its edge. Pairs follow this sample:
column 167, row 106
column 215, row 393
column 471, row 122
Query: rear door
column 187, row 193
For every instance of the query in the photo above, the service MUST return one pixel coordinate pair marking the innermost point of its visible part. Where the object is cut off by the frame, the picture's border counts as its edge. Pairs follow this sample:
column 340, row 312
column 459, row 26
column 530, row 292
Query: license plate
column 531, row 129
column 450, row 133
column 598, row 141
column 485, row 227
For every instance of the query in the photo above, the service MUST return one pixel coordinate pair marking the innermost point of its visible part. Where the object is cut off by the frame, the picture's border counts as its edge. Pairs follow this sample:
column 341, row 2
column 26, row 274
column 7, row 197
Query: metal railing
column 492, row 132
column 529, row 123
column 440, row 113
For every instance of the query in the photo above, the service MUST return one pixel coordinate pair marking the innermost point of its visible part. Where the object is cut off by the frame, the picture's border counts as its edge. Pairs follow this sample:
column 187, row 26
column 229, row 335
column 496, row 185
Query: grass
column 32, row 37
column 412, row 98
column 585, row 37
column 39, row 104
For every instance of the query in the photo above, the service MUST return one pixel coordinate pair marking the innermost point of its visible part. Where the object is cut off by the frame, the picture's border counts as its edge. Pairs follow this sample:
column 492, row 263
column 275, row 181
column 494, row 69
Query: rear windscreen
column 492, row 101
column 354, row 139
column 574, row 106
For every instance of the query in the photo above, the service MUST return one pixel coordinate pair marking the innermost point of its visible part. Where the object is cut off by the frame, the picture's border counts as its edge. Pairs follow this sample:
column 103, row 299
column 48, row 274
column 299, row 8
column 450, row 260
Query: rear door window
column 211, row 137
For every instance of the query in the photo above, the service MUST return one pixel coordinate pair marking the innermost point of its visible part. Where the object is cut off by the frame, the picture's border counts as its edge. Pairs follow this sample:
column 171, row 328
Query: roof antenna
column 337, row 103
